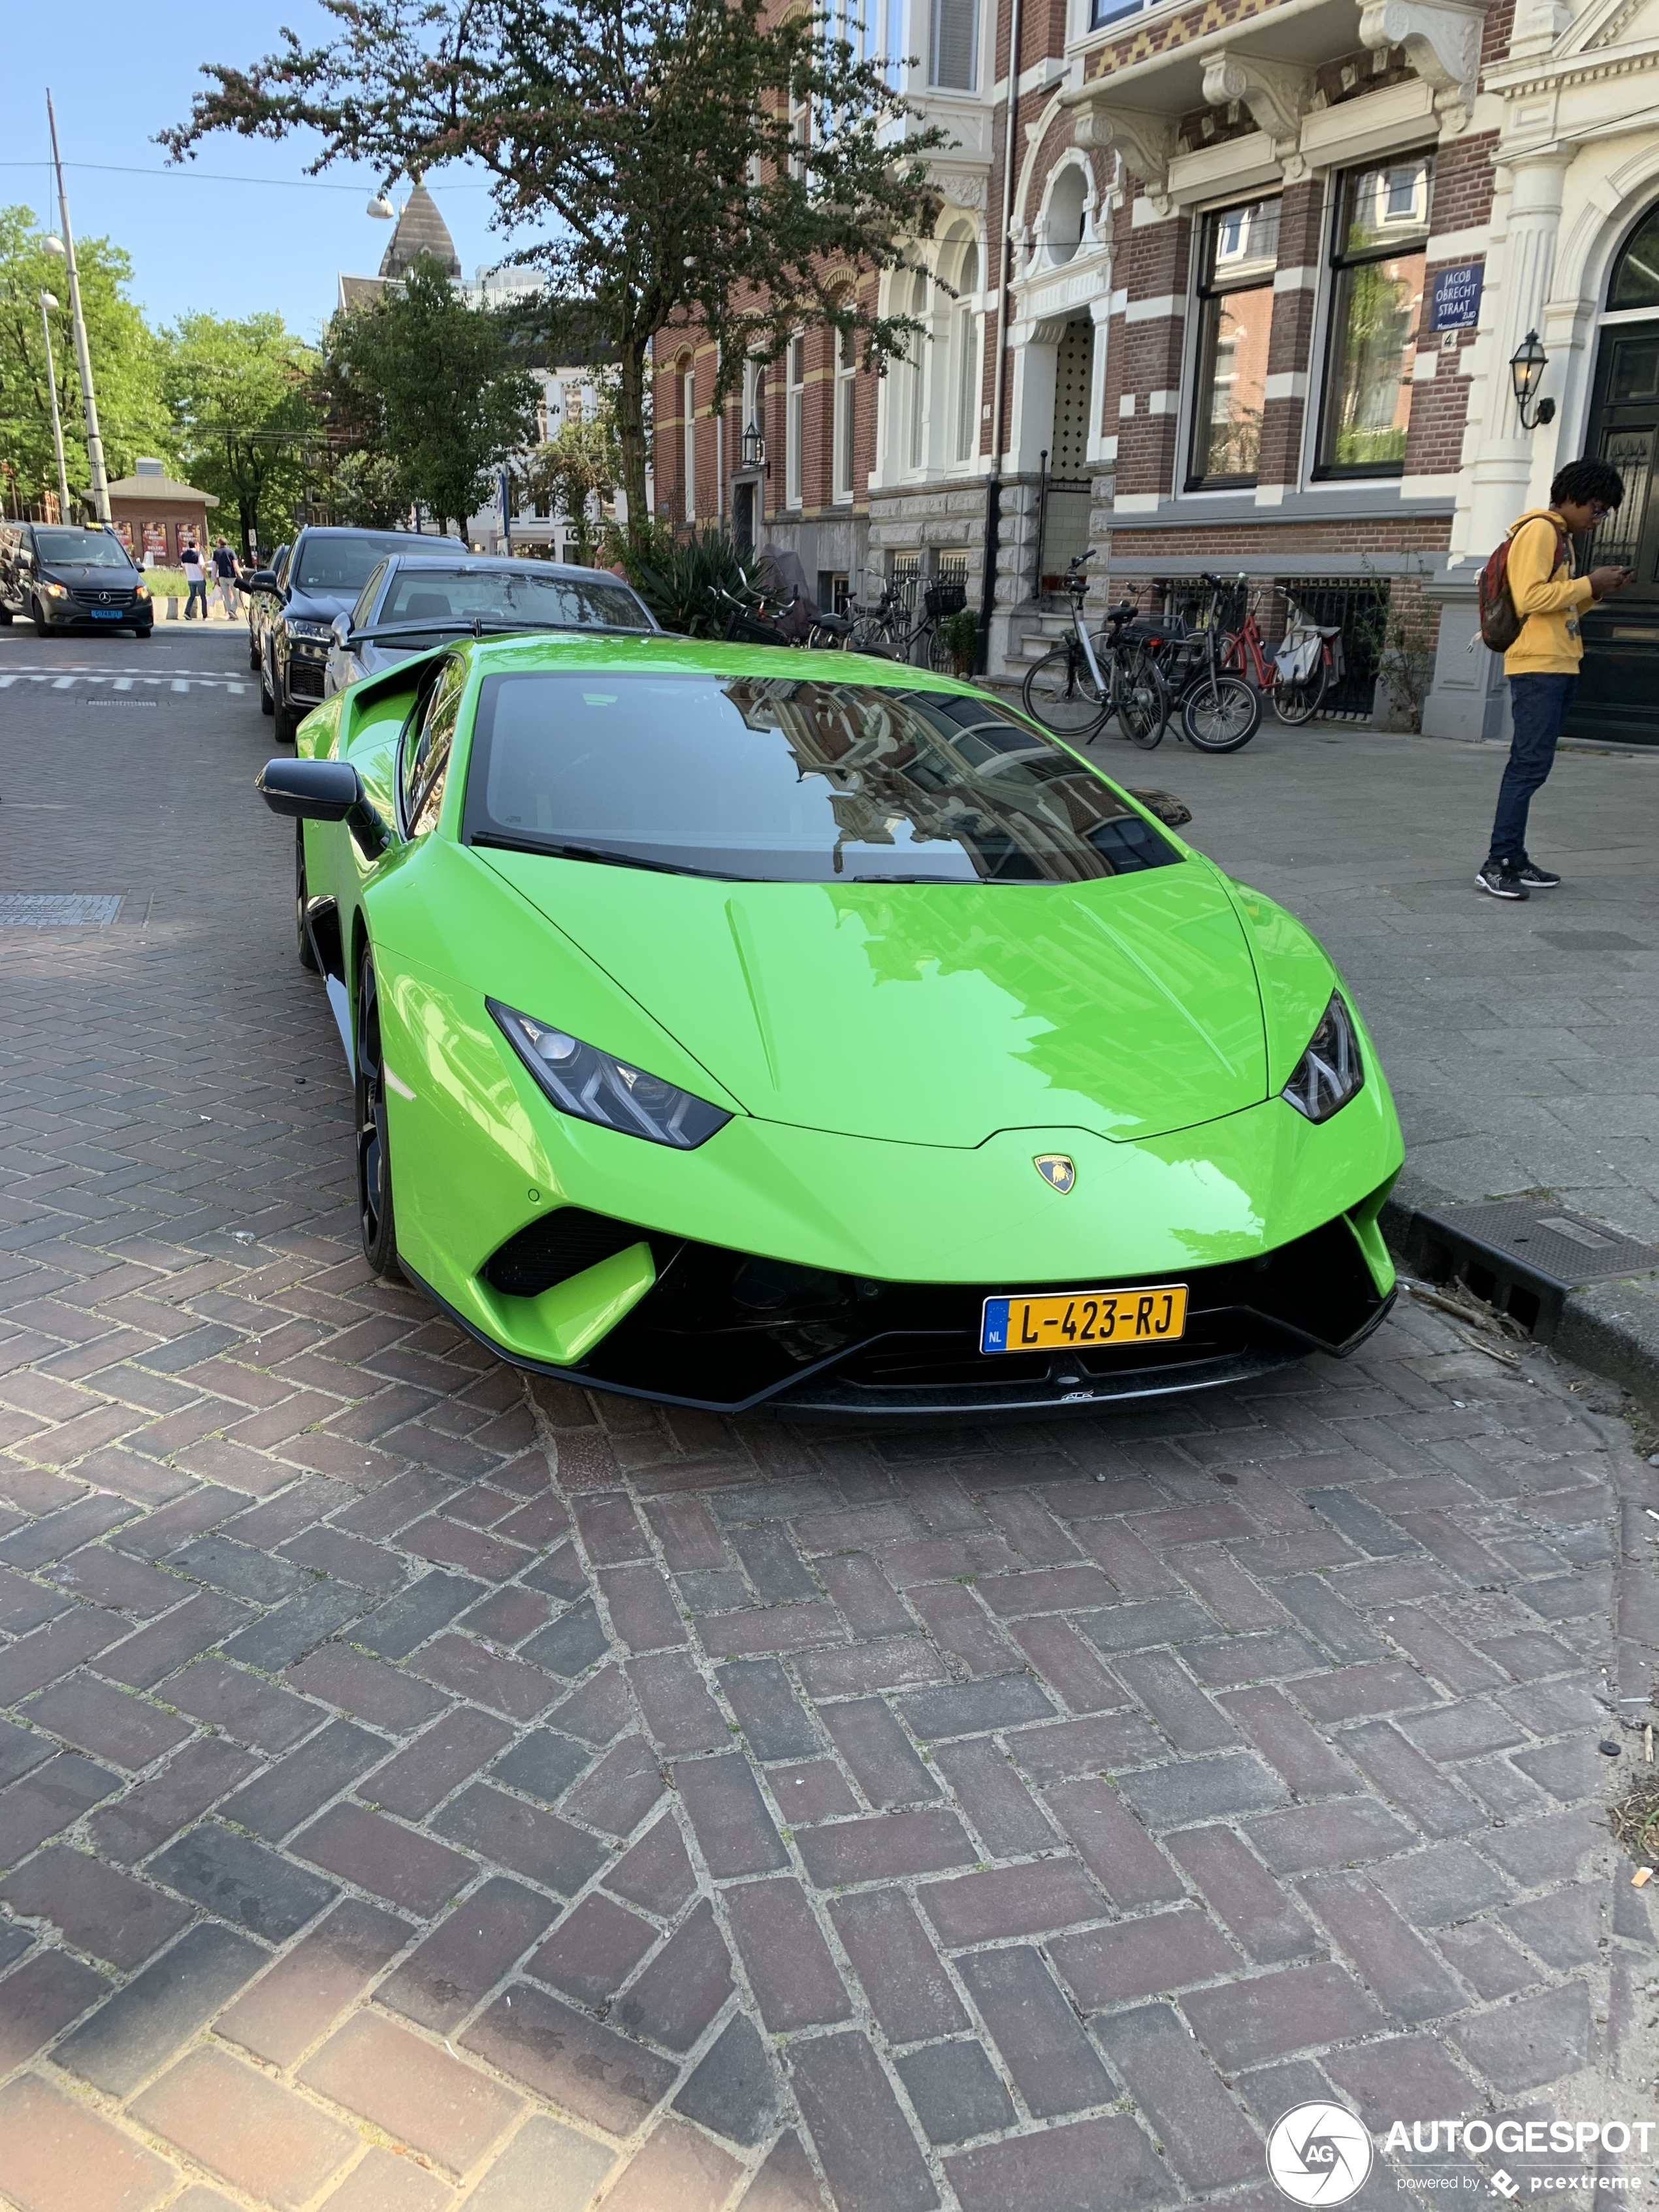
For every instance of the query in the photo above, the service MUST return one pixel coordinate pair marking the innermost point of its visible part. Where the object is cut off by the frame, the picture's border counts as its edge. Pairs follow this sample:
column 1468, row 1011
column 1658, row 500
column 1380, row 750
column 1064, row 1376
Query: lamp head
column 1527, row 366
column 53, row 245
column 381, row 209
column 49, row 301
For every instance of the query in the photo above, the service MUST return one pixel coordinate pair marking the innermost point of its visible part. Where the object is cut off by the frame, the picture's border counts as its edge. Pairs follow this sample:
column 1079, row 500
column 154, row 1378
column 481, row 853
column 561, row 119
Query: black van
column 61, row 577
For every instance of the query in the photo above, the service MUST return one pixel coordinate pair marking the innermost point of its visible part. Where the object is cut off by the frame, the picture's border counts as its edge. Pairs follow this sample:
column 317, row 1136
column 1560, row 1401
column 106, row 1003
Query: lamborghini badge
column 1056, row 1170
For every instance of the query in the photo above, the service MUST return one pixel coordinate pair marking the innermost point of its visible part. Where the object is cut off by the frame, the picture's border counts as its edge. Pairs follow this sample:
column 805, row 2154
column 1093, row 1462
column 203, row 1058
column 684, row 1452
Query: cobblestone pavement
column 425, row 1789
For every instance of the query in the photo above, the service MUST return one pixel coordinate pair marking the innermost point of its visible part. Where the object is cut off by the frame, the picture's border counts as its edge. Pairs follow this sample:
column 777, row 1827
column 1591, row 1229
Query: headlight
column 317, row 633
column 594, row 1087
column 1329, row 1073
column 140, row 591
column 54, row 590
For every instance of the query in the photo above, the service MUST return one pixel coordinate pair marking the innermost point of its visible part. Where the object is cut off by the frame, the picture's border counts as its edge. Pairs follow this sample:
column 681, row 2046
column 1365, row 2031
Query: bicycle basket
column 947, row 598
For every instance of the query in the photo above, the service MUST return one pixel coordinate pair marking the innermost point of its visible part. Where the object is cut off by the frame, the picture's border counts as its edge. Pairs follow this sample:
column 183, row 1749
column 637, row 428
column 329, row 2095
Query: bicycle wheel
column 869, row 633
column 1059, row 693
column 1142, row 704
column 1298, row 702
column 941, row 658
column 1220, row 714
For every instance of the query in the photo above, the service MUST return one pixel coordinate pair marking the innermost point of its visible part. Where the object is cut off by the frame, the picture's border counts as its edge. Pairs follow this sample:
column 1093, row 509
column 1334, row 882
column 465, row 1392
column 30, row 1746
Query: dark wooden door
column 1619, row 687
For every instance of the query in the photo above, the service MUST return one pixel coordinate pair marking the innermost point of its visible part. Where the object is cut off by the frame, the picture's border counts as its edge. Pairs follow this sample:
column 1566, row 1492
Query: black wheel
column 1220, row 714
column 252, row 652
column 869, row 633
column 1299, row 703
column 287, row 723
column 1059, row 693
column 42, row 627
column 267, row 703
column 307, row 953
column 143, row 629
column 5, row 616
column 373, row 1157
column 1142, row 704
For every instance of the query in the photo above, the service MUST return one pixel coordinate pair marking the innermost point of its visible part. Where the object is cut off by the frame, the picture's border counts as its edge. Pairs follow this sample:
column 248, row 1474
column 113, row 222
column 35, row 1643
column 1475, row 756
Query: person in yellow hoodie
column 1542, row 664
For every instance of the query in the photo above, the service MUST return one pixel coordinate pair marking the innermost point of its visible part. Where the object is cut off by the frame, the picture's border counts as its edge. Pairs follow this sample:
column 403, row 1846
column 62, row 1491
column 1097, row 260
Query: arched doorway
column 1618, row 691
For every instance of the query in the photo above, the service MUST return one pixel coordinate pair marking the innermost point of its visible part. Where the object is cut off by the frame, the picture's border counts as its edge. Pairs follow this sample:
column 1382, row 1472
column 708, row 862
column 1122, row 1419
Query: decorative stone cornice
column 1442, row 42
column 1277, row 94
column 963, row 188
column 1145, row 142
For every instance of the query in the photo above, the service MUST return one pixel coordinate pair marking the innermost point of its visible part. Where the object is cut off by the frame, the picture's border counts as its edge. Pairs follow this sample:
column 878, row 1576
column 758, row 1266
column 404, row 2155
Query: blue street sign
column 1455, row 303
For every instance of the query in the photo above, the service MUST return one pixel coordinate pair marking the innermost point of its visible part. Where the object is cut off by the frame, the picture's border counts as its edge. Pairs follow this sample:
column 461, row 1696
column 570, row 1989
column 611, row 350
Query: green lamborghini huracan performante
column 734, row 1026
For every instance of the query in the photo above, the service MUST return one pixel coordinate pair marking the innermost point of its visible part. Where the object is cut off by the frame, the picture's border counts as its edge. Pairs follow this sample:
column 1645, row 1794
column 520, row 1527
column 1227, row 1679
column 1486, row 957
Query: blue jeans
column 1538, row 706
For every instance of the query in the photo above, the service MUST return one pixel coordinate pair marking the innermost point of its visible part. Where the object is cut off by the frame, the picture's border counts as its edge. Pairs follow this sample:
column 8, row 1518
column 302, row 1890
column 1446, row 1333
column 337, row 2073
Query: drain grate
column 151, row 703
column 58, row 909
column 1524, row 1255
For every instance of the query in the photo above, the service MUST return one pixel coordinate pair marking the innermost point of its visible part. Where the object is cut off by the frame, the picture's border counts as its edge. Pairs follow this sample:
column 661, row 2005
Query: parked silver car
column 415, row 601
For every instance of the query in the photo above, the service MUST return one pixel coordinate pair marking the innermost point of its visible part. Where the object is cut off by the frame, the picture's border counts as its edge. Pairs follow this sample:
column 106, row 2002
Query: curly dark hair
column 1585, row 482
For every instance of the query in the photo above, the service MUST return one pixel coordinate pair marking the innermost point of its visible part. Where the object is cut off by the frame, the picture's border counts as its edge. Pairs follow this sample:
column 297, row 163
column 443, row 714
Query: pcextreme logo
column 1322, row 2154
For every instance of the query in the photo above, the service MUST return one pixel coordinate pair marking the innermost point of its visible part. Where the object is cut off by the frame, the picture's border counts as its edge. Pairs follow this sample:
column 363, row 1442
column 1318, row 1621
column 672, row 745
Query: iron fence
column 1358, row 607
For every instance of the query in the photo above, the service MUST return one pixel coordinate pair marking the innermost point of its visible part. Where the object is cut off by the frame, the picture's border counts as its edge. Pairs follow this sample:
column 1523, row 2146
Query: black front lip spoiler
column 817, row 1391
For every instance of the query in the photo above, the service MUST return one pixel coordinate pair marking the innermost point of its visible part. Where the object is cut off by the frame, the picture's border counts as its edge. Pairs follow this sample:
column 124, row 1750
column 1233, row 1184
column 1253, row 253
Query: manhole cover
column 1590, row 940
column 57, row 909
column 1542, row 1238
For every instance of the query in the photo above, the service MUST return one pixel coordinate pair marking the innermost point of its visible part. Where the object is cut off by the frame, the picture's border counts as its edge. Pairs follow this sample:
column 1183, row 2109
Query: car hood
column 318, row 607
column 81, row 578
column 934, row 1013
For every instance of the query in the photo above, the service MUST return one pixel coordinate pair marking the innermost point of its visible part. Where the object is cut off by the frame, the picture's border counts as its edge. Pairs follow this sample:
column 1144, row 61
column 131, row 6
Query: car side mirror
column 262, row 579
column 323, row 791
column 341, row 627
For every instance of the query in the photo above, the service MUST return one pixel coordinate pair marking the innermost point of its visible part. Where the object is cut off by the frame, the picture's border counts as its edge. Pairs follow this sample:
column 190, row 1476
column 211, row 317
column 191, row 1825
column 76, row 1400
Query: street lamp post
column 94, row 442
column 48, row 301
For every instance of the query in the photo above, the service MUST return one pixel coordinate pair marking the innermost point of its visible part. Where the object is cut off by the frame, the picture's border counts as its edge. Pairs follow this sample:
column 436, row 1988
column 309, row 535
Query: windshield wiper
column 486, row 626
column 556, row 849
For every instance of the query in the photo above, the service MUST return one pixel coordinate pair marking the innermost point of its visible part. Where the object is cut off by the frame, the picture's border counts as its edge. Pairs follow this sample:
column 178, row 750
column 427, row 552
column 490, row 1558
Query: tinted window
column 776, row 779
column 510, row 595
column 425, row 751
column 343, row 564
column 365, row 606
column 82, row 549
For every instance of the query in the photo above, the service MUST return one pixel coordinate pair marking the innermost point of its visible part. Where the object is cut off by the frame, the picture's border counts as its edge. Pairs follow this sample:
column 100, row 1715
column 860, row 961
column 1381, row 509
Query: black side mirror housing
column 262, row 579
column 323, row 791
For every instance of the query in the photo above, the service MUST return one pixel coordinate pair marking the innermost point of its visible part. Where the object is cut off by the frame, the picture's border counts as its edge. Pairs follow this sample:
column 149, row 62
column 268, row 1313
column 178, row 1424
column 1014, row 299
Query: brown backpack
column 1500, row 623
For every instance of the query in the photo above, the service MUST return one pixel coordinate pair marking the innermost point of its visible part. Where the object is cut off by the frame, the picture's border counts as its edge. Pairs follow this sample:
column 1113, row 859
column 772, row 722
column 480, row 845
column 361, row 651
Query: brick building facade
column 1259, row 268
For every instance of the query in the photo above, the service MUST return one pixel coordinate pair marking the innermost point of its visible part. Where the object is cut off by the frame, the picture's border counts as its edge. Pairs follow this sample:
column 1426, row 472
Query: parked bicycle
column 1081, row 683
column 1308, row 663
column 885, row 629
column 1219, row 712
column 795, row 623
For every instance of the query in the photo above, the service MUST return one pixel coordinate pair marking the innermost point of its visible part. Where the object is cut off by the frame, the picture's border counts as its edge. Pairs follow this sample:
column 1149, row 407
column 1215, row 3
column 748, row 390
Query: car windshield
column 772, row 779
column 462, row 594
column 341, row 564
column 82, row 549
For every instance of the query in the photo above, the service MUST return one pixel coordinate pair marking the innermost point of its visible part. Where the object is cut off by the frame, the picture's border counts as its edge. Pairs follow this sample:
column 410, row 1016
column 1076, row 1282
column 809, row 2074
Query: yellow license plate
column 1045, row 1324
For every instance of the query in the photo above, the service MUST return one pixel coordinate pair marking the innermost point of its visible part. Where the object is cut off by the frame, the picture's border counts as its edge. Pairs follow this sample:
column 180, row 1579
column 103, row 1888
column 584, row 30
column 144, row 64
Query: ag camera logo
column 1320, row 2155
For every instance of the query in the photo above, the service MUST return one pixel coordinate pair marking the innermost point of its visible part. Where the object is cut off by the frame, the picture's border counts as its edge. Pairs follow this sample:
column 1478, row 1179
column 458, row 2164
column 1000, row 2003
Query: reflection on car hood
column 934, row 1014
column 81, row 578
column 318, row 607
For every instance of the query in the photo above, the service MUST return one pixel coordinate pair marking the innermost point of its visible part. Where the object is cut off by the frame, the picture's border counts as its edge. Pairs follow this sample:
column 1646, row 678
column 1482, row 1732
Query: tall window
column 795, row 417
column 689, row 432
column 1378, row 252
column 916, row 375
column 1237, row 254
column 953, row 47
column 754, row 400
column 847, row 388
column 967, row 335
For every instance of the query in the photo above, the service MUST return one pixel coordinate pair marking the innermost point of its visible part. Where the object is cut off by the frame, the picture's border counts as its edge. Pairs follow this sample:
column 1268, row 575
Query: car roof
column 516, row 564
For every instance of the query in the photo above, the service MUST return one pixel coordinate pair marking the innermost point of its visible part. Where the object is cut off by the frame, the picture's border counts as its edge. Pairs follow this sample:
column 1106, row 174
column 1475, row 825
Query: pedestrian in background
column 227, row 571
column 196, row 576
column 1542, row 664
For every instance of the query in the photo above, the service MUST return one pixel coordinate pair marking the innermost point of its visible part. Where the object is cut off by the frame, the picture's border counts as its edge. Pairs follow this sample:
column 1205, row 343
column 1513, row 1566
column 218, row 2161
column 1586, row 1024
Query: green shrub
column 959, row 635
column 680, row 579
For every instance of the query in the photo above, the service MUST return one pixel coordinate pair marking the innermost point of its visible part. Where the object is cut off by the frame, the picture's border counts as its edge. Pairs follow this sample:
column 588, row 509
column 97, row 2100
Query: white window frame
column 794, row 373
column 688, row 433
column 846, row 414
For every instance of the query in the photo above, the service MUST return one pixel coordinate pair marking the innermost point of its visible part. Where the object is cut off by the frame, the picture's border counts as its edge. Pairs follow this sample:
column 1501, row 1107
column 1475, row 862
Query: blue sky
column 264, row 240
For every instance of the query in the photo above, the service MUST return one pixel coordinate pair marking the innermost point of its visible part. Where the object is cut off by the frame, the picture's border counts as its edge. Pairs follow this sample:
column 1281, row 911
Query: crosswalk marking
column 237, row 686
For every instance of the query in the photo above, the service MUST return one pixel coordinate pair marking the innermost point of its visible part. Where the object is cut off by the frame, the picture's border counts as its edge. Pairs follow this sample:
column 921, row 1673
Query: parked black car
column 414, row 600
column 327, row 569
column 61, row 577
column 261, row 605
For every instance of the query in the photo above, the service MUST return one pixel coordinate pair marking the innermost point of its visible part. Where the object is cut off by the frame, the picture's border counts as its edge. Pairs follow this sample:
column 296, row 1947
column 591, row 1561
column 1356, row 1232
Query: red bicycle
column 1308, row 664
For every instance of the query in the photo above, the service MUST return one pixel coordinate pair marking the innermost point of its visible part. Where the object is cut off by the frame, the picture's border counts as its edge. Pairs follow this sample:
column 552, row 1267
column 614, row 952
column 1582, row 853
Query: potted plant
column 959, row 635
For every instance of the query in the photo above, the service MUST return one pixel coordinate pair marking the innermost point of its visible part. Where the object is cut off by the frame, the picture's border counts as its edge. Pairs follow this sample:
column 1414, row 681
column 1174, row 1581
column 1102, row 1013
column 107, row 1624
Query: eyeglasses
column 1598, row 510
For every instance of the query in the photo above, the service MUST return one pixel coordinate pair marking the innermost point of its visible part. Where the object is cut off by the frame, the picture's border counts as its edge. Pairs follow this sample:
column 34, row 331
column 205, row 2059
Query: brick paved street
column 425, row 1789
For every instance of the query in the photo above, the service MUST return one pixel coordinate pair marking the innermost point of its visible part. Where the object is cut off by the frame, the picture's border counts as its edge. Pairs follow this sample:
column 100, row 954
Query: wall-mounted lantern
column 1527, row 366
